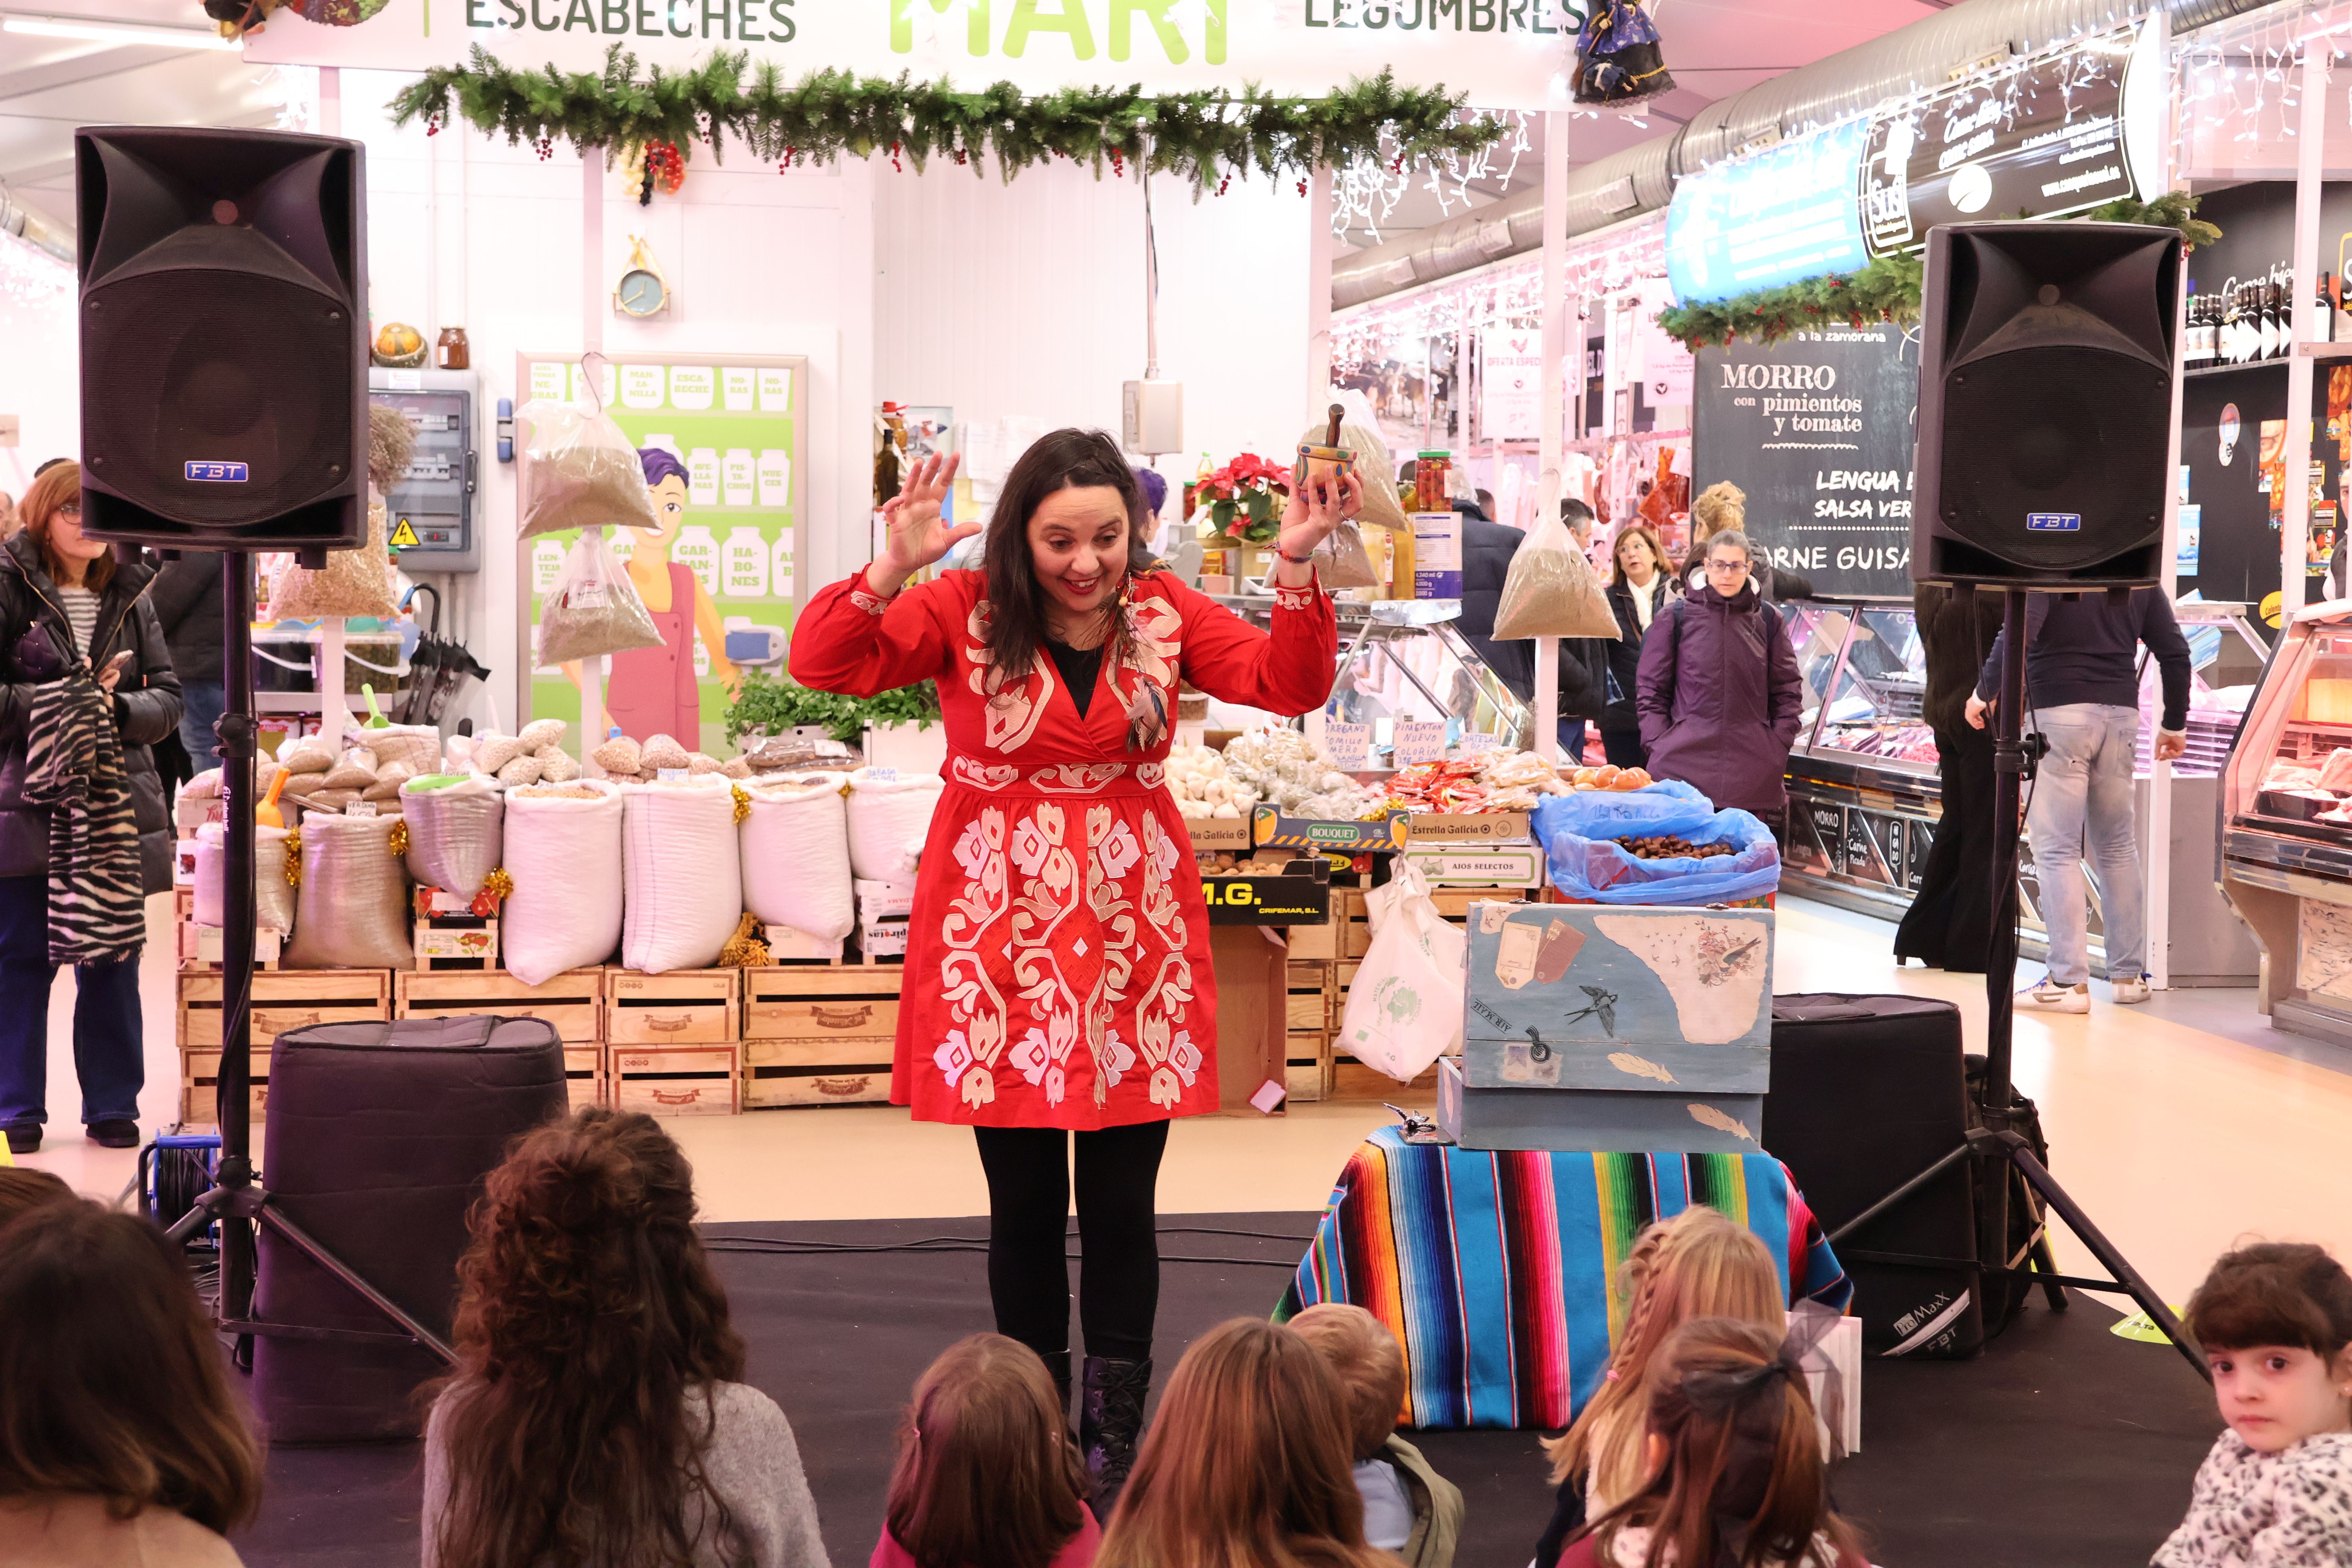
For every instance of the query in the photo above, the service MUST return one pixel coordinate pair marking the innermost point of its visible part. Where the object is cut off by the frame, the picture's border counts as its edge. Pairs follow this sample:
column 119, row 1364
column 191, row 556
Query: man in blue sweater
column 2082, row 693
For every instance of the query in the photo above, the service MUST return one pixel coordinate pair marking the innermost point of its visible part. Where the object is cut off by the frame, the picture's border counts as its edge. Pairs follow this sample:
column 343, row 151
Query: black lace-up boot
column 1110, row 1422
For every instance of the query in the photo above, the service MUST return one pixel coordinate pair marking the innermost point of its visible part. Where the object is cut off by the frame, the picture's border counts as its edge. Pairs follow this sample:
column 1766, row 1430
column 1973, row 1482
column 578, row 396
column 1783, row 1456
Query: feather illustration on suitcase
column 1708, row 1116
column 1627, row 1062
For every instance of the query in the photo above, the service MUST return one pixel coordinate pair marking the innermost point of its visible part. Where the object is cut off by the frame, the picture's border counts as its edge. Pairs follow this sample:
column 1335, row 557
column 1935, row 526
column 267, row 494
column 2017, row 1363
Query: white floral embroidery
column 971, row 851
column 1305, row 599
column 1184, row 1057
column 1011, row 714
column 953, row 1057
column 1118, row 852
column 981, row 775
column 866, row 599
column 1149, row 775
column 1077, row 778
column 1033, row 1056
column 1030, row 847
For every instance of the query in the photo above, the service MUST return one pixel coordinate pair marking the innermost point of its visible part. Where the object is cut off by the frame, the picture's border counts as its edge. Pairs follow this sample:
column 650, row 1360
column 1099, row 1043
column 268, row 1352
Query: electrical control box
column 430, row 513
column 1151, row 417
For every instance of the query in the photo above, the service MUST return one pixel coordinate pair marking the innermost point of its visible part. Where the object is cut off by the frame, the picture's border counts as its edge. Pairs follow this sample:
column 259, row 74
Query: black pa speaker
column 2046, row 404
column 224, row 337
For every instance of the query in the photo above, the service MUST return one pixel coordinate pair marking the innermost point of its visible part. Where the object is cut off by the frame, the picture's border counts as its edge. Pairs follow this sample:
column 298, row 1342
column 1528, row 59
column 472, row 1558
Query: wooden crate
column 199, row 1086
column 457, row 943
column 809, row 1002
column 584, row 1073
column 684, row 1008
column 852, row 1070
column 1314, row 991
column 1324, row 942
column 573, row 1002
column 200, row 947
column 676, row 1080
column 283, row 999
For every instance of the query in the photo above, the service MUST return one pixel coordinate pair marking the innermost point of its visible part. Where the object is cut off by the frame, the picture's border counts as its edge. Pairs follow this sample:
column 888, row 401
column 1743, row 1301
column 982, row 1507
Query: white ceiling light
column 115, row 33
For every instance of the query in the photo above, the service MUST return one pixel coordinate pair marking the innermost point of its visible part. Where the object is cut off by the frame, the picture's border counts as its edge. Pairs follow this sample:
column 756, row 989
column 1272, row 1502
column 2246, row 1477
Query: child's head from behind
column 1731, row 1446
column 1699, row 1264
column 1369, row 1366
column 2275, row 1320
column 987, row 1476
column 588, row 1316
column 1246, row 1460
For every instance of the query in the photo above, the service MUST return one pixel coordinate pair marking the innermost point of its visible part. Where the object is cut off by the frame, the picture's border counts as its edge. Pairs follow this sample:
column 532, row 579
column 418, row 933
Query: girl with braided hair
column 1735, row 1474
column 1699, row 1264
column 1059, row 925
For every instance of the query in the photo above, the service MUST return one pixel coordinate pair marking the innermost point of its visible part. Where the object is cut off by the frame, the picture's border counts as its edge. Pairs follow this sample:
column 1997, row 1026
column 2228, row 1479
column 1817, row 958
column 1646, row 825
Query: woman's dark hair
column 111, row 1381
column 1057, row 461
column 588, row 1312
column 987, row 1476
column 659, row 463
column 24, row 1189
column 2273, row 1293
column 1617, row 560
column 1744, row 1481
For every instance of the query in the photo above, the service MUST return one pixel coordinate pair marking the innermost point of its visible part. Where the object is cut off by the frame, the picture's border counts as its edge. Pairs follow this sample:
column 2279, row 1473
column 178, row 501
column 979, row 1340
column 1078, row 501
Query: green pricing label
column 1232, row 892
column 1332, row 832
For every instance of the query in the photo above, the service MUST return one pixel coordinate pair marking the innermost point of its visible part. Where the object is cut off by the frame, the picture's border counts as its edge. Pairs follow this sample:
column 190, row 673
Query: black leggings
column 1028, row 1213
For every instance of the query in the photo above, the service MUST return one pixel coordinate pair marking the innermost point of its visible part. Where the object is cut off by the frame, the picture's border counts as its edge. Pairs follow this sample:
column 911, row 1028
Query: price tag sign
column 1477, row 743
column 881, row 775
column 360, row 808
column 670, row 775
column 1418, row 740
column 1347, row 745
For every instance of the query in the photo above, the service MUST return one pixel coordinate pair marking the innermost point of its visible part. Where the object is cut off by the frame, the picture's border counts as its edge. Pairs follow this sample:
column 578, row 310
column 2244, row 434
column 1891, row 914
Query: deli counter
column 2285, row 859
column 1863, row 798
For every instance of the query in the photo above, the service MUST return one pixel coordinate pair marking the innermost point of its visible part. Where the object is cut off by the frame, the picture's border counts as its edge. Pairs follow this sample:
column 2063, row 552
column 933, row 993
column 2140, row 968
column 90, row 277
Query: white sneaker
column 2052, row 997
column 2131, row 993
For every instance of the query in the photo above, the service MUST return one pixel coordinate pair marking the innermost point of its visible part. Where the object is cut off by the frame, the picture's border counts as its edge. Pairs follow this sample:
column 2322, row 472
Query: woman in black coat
column 86, row 688
column 1949, row 923
column 1639, row 589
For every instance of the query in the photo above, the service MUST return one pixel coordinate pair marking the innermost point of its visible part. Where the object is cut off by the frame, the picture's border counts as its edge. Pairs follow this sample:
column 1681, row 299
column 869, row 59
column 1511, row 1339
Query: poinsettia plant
column 1243, row 501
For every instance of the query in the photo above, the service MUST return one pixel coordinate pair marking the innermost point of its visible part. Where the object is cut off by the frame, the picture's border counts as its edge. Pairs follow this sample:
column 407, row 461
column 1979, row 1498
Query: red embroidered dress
column 1057, row 964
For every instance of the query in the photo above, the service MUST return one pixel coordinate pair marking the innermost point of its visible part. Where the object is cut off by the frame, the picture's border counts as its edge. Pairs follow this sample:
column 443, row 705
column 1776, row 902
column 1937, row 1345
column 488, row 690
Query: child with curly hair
column 2275, row 1320
column 598, row 1411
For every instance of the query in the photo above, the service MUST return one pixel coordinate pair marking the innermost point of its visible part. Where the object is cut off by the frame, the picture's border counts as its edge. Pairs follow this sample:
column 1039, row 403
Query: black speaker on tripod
column 224, row 337
column 2046, row 404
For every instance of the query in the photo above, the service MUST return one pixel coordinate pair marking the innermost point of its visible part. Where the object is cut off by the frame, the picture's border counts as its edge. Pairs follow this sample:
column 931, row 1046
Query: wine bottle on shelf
column 2267, row 322
column 2234, row 325
column 2281, row 318
column 2200, row 351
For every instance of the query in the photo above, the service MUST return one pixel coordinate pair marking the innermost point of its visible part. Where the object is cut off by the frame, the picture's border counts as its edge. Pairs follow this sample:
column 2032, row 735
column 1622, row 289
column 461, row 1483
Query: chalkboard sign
column 1817, row 430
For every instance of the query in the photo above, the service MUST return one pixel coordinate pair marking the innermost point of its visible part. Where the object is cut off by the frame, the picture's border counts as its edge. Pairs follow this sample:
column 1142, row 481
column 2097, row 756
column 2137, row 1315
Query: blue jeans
column 110, row 1040
column 2082, row 801
column 201, row 703
column 1571, row 742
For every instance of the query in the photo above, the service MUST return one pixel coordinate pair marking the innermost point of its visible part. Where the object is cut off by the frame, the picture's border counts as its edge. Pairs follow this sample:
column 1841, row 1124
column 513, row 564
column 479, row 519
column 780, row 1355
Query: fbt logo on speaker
column 217, row 473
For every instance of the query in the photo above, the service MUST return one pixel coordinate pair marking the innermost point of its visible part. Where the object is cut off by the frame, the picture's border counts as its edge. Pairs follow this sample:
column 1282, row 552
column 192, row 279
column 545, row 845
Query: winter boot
column 1110, row 1422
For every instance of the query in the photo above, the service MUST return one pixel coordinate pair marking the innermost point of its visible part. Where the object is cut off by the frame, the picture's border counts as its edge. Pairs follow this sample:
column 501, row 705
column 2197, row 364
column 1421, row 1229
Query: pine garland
column 1207, row 136
column 1888, row 289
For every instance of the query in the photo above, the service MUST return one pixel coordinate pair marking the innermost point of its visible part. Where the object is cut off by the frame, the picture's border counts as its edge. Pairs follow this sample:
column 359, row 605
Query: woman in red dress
column 1058, row 960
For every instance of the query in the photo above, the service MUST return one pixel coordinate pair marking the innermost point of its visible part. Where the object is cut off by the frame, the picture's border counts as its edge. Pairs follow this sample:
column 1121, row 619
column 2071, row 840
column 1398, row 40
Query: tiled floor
column 2179, row 1126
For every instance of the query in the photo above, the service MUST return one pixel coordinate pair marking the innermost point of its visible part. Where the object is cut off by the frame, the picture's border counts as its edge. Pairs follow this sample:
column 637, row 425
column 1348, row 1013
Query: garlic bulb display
column 1198, row 779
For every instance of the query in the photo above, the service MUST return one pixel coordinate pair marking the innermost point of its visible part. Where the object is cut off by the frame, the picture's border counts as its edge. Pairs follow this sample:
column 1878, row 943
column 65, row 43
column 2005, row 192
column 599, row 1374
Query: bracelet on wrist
column 1304, row 560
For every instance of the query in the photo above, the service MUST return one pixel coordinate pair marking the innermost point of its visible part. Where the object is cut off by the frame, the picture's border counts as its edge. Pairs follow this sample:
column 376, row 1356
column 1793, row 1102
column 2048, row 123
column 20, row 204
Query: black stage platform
column 2062, row 1444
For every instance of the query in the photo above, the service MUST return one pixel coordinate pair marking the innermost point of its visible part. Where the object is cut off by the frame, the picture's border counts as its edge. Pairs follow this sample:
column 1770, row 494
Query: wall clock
column 643, row 291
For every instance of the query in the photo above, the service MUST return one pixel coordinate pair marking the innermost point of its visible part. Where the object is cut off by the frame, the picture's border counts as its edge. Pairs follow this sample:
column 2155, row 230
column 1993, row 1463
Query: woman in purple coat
column 1719, row 692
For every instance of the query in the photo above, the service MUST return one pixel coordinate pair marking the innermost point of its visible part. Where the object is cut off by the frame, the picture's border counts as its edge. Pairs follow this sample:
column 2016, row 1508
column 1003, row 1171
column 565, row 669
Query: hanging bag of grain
column 353, row 582
column 796, row 855
column 591, row 609
column 273, row 895
column 1551, row 590
column 456, row 830
column 562, row 849
column 889, row 817
column 683, row 870
column 352, row 912
column 580, row 471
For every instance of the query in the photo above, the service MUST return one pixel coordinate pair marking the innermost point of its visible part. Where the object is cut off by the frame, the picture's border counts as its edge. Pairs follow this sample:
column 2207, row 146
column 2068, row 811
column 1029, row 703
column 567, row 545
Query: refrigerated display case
column 1864, row 801
column 2285, row 854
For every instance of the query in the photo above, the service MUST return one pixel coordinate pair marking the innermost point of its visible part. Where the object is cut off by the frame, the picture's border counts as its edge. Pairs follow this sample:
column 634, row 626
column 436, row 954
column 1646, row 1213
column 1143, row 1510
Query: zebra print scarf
column 74, row 766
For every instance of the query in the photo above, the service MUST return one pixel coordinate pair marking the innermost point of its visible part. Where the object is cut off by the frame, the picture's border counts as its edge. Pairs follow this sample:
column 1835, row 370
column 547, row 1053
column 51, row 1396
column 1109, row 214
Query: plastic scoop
column 376, row 720
column 267, row 814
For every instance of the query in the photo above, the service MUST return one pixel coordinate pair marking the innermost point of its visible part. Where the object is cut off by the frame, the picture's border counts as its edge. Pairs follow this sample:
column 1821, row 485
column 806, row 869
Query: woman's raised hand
column 916, row 535
column 1315, row 509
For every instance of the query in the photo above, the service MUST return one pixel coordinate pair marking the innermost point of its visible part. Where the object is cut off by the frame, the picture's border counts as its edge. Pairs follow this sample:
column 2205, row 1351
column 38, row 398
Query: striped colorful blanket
column 1499, row 1271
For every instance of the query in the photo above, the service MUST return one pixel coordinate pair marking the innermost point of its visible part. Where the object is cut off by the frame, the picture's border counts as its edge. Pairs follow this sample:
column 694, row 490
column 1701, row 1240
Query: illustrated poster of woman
column 652, row 690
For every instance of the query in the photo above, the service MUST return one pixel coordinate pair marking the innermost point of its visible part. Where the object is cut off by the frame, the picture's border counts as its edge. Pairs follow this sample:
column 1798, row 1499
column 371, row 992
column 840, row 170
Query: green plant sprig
column 1207, row 136
column 775, row 707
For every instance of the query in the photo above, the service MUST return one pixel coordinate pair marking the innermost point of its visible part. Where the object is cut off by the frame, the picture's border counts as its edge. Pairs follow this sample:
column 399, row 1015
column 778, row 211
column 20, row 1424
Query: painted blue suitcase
column 1596, row 1120
column 1654, row 999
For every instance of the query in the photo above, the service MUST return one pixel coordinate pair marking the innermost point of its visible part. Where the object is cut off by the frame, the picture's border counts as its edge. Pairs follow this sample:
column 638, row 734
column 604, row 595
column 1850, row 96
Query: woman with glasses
column 86, row 688
column 1718, row 693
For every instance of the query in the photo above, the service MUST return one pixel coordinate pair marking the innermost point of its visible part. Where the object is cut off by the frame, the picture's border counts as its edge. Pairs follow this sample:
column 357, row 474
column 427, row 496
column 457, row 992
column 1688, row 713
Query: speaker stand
column 1999, row 1156
column 237, row 1200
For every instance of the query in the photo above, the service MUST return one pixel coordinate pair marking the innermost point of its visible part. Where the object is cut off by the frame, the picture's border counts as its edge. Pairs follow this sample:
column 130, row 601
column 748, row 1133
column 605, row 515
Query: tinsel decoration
column 742, row 802
column 397, row 839
column 1888, row 289
column 1207, row 136
column 1617, row 57
column 744, row 950
column 294, row 858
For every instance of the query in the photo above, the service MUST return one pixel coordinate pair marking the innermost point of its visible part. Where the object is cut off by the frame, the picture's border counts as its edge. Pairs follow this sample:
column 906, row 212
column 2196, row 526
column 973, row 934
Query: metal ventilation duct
column 38, row 229
column 1642, row 178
